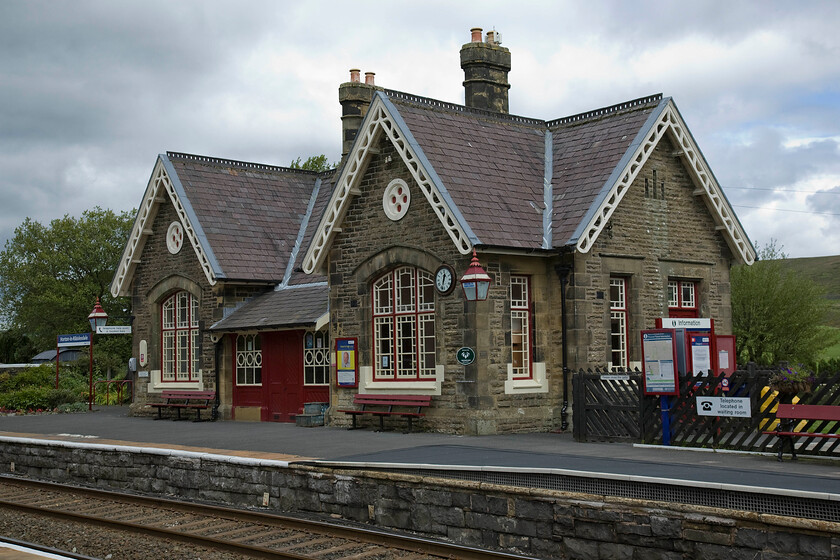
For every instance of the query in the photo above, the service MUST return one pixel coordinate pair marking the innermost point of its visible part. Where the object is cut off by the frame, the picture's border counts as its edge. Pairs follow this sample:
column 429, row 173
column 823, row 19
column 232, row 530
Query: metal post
column 90, row 376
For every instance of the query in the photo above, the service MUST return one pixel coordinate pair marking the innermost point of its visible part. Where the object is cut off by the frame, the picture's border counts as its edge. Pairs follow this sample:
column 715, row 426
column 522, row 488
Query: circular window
column 396, row 199
column 174, row 237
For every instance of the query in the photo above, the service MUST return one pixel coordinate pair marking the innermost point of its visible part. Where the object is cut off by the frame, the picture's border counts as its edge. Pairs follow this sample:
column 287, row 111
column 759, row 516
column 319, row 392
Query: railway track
column 243, row 533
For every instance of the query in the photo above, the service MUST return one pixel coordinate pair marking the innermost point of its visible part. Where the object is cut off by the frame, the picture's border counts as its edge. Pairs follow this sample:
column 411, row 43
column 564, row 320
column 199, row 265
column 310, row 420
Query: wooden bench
column 384, row 406
column 823, row 412
column 177, row 400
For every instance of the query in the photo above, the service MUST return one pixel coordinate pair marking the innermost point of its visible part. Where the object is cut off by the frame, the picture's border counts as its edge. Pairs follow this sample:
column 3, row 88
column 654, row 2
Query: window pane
column 405, row 290
column 617, row 293
column 688, row 294
column 673, row 295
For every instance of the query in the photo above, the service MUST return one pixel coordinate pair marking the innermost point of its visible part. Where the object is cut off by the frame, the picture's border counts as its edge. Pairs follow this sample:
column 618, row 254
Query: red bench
column 192, row 400
column 826, row 413
column 383, row 405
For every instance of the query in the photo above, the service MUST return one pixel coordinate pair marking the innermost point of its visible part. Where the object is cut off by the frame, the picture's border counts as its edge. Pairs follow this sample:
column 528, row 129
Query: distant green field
column 831, row 352
column 825, row 271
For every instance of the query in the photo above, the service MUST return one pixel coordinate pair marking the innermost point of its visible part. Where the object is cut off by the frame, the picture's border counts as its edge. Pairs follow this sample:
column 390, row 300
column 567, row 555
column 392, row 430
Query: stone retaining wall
column 542, row 523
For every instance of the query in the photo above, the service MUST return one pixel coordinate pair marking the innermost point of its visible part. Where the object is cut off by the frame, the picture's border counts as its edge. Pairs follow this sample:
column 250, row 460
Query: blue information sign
column 73, row 340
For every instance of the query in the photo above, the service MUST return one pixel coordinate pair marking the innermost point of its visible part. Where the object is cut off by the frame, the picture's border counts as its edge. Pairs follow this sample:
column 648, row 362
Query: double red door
column 280, row 395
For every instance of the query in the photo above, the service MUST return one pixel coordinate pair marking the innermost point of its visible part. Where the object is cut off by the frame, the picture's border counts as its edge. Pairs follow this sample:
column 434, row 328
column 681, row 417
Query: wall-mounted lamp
column 475, row 282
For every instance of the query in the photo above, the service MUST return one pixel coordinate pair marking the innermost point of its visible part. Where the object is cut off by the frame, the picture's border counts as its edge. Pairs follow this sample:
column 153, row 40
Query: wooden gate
column 607, row 406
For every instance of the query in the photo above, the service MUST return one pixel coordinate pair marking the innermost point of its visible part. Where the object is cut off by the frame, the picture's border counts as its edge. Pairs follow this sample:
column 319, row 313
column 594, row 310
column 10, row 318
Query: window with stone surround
column 618, row 323
column 316, row 358
column 682, row 299
column 520, row 326
column 179, row 338
column 248, row 360
column 404, row 325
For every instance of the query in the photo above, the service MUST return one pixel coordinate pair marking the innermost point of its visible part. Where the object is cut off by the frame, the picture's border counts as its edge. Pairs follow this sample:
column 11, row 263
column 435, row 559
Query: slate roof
column 587, row 149
column 293, row 306
column 250, row 214
column 493, row 166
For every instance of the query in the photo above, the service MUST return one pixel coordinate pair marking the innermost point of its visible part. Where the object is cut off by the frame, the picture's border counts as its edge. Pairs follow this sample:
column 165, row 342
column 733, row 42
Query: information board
column 701, row 353
column 346, row 362
column 659, row 359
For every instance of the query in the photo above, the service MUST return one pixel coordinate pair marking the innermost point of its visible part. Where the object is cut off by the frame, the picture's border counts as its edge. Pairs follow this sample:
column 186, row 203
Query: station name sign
column 73, row 340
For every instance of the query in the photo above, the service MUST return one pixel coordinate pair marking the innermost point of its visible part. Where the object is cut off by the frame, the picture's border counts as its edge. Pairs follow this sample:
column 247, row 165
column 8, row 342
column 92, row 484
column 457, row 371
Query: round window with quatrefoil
column 396, row 199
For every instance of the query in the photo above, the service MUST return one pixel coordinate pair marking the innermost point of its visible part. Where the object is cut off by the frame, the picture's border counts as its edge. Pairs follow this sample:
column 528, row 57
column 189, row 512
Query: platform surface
column 543, row 451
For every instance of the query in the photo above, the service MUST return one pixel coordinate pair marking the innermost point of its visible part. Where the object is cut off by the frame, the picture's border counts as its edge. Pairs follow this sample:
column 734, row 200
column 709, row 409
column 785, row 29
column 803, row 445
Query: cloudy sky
column 91, row 92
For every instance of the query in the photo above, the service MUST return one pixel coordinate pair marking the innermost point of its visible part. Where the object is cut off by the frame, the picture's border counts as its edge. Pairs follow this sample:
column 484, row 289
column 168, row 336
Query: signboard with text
column 724, row 406
column 659, row 359
column 65, row 340
column 346, row 362
column 114, row 329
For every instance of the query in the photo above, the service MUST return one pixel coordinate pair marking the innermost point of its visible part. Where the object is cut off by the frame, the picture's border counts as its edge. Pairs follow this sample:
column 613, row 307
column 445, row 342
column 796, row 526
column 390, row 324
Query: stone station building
column 590, row 226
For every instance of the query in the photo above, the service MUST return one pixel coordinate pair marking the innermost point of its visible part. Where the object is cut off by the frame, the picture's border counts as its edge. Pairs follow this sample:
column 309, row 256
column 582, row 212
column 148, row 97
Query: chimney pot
column 369, row 78
column 486, row 66
column 354, row 75
column 476, row 35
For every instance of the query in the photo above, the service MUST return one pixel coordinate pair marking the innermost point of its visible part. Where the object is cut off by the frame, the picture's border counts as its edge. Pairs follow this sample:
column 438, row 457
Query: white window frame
column 520, row 327
column 404, row 326
column 179, row 357
column 682, row 294
column 618, row 324
column 248, row 360
column 316, row 358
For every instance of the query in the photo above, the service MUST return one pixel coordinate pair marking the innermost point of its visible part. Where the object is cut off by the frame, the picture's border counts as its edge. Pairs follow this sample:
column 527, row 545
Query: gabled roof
column 244, row 221
column 518, row 183
column 291, row 307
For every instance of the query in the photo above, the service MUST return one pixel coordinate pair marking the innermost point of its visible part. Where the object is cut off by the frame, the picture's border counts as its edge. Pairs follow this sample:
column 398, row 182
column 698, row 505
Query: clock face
column 444, row 279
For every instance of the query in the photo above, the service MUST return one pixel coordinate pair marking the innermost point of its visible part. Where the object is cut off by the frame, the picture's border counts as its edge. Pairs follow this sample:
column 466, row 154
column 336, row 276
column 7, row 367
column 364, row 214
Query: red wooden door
column 282, row 375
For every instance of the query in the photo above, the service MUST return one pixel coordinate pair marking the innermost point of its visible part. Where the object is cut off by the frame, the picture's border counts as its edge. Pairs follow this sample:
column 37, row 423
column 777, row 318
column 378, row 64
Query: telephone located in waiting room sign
column 724, row 406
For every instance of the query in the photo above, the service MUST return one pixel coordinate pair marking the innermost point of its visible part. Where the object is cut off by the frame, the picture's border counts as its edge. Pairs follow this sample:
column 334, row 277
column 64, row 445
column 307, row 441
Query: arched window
column 179, row 338
column 404, row 325
column 248, row 360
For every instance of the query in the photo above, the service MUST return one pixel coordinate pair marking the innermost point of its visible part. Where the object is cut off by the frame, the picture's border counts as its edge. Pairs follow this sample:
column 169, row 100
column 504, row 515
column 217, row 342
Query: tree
column 313, row 163
column 15, row 347
column 51, row 275
column 777, row 314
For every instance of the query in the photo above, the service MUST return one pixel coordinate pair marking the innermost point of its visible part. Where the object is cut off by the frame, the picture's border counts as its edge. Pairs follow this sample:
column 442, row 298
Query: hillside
column 825, row 271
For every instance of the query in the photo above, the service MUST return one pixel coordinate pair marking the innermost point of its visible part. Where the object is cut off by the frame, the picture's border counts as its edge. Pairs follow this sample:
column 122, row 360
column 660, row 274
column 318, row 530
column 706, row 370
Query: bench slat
column 808, row 412
column 390, row 401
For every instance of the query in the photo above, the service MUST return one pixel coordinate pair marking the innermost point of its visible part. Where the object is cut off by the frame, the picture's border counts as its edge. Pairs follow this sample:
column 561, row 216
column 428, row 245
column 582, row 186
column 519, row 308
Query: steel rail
column 361, row 535
column 35, row 547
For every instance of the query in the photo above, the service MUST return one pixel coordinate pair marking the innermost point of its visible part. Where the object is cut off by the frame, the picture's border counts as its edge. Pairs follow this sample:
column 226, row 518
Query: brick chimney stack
column 355, row 98
column 486, row 65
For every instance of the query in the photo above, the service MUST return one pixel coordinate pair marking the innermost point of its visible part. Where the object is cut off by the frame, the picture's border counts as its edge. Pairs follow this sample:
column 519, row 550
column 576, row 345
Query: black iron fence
column 611, row 406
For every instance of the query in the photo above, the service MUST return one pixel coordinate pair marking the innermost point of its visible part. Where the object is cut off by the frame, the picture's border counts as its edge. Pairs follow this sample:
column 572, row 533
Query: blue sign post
column 65, row 340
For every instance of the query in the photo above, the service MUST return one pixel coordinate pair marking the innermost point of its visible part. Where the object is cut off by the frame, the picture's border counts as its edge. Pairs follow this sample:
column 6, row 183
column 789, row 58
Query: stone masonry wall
column 159, row 268
column 649, row 240
column 472, row 398
column 542, row 523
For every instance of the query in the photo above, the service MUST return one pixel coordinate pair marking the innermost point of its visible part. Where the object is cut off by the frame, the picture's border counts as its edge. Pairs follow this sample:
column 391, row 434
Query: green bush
column 34, row 388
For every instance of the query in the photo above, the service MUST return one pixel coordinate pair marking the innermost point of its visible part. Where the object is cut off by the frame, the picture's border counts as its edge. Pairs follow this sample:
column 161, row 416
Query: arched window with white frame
column 179, row 337
column 404, row 325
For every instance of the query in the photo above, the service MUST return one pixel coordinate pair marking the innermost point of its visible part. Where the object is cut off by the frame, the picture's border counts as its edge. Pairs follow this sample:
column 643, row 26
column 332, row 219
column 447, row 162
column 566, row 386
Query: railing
column 609, row 407
column 122, row 390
